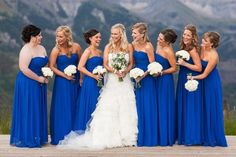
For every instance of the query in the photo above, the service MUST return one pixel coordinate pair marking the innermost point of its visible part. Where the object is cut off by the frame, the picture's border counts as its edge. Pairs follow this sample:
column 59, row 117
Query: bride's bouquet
column 154, row 68
column 119, row 63
column 136, row 73
column 70, row 70
column 99, row 70
column 47, row 72
column 191, row 85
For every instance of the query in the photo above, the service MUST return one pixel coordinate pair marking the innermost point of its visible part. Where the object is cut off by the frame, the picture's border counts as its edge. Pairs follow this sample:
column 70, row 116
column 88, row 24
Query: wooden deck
column 176, row 151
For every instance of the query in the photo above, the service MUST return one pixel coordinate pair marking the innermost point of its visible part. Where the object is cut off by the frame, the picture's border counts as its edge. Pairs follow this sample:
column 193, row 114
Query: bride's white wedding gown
column 114, row 121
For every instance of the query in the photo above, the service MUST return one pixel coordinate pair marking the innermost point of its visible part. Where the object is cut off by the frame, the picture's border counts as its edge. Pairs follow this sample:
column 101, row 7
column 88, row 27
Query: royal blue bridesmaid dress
column 88, row 95
column 146, row 104
column 166, row 105
column 29, row 116
column 190, row 111
column 213, row 109
column 64, row 97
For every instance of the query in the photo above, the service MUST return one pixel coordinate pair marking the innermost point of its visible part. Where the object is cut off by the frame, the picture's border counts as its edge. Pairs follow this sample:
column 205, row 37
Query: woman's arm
column 24, row 61
column 81, row 66
column 52, row 64
column 131, row 59
column 105, row 60
column 171, row 60
column 210, row 66
column 196, row 66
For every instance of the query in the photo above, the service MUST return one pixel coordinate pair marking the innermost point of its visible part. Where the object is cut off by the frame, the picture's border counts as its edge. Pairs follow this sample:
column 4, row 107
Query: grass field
column 230, row 123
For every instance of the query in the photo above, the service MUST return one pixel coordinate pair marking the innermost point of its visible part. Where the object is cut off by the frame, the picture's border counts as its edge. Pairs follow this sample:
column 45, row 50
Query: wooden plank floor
column 176, row 151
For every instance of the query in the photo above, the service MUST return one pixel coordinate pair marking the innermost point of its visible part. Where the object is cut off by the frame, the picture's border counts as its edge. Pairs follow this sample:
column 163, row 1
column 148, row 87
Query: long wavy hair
column 124, row 41
column 68, row 34
column 142, row 29
column 194, row 43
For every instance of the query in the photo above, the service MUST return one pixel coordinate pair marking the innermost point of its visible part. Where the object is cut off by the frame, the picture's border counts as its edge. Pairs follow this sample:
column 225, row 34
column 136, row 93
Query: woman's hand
column 42, row 79
column 71, row 78
column 181, row 62
column 97, row 77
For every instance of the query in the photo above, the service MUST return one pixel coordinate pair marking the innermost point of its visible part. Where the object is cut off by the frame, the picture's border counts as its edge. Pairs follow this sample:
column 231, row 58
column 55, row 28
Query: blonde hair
column 68, row 34
column 142, row 29
column 124, row 41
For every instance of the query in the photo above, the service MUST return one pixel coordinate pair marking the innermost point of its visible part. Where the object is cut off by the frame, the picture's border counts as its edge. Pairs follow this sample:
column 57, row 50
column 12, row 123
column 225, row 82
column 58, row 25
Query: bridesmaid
column 165, row 88
column 146, row 95
column 90, row 59
column 29, row 117
column 189, row 103
column 66, row 88
column 212, row 92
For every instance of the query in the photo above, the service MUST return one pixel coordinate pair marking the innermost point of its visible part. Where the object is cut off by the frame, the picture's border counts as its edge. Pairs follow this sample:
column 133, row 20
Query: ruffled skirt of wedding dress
column 114, row 121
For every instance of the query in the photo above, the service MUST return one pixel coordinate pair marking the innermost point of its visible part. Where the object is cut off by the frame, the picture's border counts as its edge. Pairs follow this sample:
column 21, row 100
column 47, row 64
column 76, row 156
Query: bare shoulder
column 214, row 56
column 193, row 51
column 149, row 47
column 76, row 45
column 42, row 49
column 55, row 51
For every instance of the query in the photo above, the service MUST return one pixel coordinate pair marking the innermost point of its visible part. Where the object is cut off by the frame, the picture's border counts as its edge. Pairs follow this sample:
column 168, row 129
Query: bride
column 114, row 121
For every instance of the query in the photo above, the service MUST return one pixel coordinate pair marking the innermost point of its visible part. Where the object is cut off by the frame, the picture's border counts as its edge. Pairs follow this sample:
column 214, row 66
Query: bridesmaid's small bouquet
column 182, row 54
column 119, row 62
column 191, row 85
column 70, row 70
column 47, row 72
column 154, row 68
column 136, row 73
column 99, row 70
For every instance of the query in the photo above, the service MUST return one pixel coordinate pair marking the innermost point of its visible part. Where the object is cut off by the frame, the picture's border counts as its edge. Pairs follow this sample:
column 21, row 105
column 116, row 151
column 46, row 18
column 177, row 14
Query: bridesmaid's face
column 96, row 39
column 161, row 40
column 38, row 38
column 61, row 38
column 136, row 35
column 115, row 35
column 187, row 37
column 206, row 43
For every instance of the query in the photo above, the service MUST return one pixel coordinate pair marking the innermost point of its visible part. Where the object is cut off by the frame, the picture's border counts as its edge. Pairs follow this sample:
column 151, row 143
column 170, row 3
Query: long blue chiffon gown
column 88, row 95
column 29, row 116
column 166, row 105
column 146, row 104
column 64, row 97
column 190, row 111
column 212, row 109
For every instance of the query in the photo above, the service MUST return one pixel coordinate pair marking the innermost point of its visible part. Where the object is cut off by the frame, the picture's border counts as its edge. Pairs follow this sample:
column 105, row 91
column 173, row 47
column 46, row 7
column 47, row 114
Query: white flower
column 99, row 70
column 183, row 54
column 154, row 68
column 70, row 70
column 191, row 85
column 136, row 72
column 47, row 72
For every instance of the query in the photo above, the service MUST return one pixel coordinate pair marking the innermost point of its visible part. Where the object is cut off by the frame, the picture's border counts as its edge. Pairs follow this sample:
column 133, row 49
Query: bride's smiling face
column 115, row 35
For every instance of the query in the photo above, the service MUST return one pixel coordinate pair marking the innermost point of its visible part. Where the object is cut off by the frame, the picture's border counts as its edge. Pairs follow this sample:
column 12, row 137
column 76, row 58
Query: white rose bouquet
column 70, row 70
column 99, row 70
column 191, row 85
column 119, row 63
column 136, row 73
column 183, row 54
column 47, row 72
column 154, row 68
